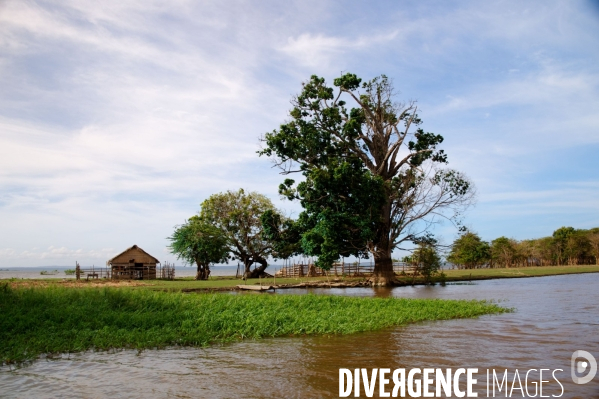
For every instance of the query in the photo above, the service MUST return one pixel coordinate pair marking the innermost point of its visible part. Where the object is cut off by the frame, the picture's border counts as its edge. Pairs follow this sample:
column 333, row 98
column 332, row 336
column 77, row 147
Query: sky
column 118, row 118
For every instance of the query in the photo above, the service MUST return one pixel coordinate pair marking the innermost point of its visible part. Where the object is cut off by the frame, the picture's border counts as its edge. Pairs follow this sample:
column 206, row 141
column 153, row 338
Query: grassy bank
column 229, row 282
column 58, row 319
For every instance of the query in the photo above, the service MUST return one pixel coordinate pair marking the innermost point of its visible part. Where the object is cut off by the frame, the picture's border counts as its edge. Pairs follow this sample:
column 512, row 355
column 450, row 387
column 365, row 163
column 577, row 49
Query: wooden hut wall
column 133, row 264
column 131, row 271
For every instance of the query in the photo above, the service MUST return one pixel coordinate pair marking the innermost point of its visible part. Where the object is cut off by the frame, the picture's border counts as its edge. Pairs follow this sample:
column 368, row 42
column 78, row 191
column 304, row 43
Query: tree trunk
column 383, row 274
column 202, row 272
column 257, row 272
column 383, row 271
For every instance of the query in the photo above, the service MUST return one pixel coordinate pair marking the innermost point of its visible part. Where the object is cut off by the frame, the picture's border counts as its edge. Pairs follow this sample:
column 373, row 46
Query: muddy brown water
column 554, row 317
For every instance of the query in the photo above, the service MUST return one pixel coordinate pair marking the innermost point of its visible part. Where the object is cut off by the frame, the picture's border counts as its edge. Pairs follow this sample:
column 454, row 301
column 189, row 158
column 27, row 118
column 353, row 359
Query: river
column 554, row 317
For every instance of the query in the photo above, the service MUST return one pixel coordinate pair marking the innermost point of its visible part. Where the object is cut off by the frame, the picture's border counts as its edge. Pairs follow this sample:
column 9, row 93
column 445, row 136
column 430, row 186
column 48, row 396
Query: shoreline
column 158, row 313
column 230, row 283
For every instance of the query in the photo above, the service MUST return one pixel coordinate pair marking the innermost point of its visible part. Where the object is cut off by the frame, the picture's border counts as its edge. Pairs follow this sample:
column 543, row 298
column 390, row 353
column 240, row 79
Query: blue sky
column 117, row 118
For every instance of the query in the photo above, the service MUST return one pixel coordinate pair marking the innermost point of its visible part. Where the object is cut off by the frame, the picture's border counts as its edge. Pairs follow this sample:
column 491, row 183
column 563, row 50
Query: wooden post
column 77, row 271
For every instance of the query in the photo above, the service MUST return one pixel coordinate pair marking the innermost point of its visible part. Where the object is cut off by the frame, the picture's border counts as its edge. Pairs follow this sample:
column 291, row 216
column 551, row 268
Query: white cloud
column 323, row 51
column 118, row 118
column 551, row 86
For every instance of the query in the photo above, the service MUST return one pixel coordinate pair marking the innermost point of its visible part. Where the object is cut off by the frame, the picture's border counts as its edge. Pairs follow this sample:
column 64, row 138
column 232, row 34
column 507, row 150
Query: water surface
column 58, row 272
column 554, row 317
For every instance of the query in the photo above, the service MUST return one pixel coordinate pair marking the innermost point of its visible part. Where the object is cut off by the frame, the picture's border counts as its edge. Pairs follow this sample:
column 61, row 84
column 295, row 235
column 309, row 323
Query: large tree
column 394, row 161
column 201, row 243
column 237, row 215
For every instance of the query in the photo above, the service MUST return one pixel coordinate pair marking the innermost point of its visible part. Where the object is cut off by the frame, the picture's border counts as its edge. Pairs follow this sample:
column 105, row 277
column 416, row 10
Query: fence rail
column 92, row 272
column 338, row 269
column 166, row 271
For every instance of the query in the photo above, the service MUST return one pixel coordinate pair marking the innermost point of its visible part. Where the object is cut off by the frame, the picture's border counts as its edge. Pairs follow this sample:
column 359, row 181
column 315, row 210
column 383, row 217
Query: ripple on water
column 554, row 317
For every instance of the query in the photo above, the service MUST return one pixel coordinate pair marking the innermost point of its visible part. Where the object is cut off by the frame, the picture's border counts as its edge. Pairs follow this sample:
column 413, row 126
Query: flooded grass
column 61, row 320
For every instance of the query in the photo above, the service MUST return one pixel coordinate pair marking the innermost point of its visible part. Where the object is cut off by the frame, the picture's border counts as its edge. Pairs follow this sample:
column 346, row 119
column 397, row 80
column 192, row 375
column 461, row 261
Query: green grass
column 228, row 282
column 56, row 319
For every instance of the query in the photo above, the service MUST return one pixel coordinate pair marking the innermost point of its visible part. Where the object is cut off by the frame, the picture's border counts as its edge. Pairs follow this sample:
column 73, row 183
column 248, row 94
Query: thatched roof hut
column 133, row 263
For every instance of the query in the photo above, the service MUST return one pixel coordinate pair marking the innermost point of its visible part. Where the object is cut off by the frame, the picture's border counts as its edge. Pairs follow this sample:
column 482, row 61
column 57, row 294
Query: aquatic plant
column 59, row 320
column 47, row 273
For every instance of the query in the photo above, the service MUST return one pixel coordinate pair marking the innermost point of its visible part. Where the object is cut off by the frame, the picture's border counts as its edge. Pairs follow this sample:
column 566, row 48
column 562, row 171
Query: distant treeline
column 567, row 246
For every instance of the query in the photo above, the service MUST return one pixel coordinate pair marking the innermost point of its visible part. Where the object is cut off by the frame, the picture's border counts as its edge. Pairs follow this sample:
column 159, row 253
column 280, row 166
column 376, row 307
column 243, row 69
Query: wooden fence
column 338, row 269
column 93, row 272
column 166, row 272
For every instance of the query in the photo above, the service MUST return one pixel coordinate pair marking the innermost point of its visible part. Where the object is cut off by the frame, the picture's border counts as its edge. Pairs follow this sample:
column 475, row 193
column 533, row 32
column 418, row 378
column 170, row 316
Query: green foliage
column 569, row 243
column 323, row 127
column 427, row 261
column 593, row 237
column 283, row 234
column 237, row 215
column 69, row 272
column 201, row 243
column 364, row 181
column 469, row 251
column 566, row 246
column 341, row 210
column 63, row 320
column 503, row 251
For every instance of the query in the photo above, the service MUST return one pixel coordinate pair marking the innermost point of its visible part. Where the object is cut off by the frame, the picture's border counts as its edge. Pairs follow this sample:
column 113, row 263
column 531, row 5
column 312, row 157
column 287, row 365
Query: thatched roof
column 135, row 247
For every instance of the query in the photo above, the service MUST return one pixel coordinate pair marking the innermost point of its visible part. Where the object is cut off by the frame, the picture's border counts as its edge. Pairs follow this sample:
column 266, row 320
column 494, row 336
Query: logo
column 580, row 366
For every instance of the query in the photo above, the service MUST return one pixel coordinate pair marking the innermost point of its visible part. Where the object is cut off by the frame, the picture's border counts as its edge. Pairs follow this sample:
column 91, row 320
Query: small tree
column 594, row 243
column 201, row 243
column 503, row 251
column 525, row 252
column 578, row 248
column 469, row 251
column 427, row 261
column 560, row 243
column 545, row 250
column 237, row 215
